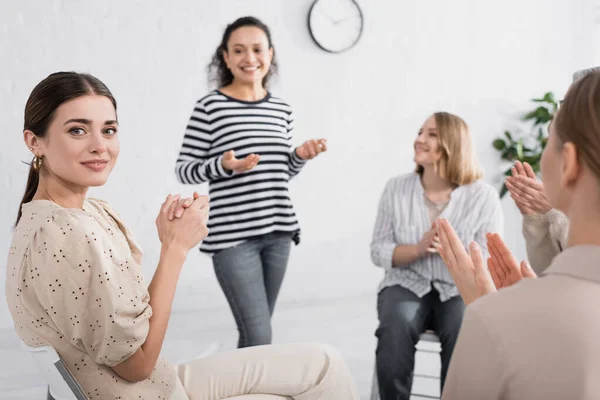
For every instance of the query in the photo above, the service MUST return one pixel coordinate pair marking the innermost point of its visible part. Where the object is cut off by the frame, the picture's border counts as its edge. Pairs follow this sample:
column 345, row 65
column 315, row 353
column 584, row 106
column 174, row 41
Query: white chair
column 61, row 383
column 427, row 336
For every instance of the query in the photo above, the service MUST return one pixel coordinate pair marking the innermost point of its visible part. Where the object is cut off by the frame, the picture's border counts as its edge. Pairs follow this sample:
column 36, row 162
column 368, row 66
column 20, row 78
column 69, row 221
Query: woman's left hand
column 182, row 204
column 469, row 272
column 311, row 148
column 526, row 190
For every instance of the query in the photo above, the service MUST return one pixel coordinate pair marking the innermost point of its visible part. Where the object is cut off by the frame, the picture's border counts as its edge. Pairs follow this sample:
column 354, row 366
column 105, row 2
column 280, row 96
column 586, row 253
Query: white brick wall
column 482, row 60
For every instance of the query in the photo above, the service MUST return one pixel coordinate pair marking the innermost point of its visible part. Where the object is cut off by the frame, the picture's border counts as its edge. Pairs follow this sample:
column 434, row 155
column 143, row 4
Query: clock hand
column 328, row 15
column 339, row 21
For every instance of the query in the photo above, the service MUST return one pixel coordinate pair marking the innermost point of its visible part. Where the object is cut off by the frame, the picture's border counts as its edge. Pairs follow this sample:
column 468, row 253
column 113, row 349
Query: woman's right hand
column 230, row 163
column 186, row 231
column 502, row 264
column 428, row 242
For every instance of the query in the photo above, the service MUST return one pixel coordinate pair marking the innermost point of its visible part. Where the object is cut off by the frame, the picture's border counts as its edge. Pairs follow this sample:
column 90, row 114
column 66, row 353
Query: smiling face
column 248, row 55
column 426, row 145
column 81, row 146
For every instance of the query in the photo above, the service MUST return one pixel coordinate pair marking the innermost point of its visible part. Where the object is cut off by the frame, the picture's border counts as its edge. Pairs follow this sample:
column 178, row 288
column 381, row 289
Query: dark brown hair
column 41, row 106
column 217, row 69
column 578, row 120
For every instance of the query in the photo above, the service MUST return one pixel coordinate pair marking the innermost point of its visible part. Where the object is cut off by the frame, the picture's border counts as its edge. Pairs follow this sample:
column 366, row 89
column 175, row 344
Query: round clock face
column 335, row 25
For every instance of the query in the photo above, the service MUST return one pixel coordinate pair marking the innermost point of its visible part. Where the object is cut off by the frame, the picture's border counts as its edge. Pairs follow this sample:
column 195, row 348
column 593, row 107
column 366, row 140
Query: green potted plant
column 528, row 147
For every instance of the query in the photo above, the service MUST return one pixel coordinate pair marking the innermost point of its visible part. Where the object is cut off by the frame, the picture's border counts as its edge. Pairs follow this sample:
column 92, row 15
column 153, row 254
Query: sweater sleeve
column 194, row 164
column 545, row 237
column 295, row 163
column 383, row 242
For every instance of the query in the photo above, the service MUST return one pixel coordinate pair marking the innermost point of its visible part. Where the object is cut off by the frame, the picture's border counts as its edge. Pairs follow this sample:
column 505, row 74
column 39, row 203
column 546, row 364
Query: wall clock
column 335, row 25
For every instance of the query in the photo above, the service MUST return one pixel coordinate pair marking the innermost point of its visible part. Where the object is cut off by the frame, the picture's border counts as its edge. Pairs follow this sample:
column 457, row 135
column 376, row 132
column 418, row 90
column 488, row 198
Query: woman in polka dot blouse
column 74, row 272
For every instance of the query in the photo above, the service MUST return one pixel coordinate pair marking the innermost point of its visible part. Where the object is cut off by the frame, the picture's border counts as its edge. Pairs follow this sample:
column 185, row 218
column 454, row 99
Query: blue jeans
column 403, row 316
column 251, row 275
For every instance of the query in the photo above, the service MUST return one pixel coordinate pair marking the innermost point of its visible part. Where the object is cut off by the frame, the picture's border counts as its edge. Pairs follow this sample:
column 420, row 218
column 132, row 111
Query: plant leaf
column 549, row 98
column 532, row 160
column 499, row 144
column 540, row 115
column 509, row 153
column 520, row 150
column 536, row 140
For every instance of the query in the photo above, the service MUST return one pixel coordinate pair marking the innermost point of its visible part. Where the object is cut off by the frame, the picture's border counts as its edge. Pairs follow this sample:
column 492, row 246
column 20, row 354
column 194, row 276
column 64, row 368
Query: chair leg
column 49, row 396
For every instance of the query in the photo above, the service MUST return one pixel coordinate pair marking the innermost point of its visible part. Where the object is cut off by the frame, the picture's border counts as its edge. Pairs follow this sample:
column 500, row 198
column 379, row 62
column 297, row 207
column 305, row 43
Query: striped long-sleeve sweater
column 246, row 204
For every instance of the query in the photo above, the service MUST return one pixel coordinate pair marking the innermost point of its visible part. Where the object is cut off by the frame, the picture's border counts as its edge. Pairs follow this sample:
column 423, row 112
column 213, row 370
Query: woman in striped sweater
column 417, row 292
column 239, row 141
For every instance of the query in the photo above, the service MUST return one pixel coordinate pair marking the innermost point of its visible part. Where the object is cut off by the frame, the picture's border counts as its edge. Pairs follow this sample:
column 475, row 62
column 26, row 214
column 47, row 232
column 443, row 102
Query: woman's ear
column 571, row 165
column 33, row 142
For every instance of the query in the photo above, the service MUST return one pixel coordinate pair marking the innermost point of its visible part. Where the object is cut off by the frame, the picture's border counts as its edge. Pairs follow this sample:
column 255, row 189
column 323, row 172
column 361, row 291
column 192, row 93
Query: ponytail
column 32, row 184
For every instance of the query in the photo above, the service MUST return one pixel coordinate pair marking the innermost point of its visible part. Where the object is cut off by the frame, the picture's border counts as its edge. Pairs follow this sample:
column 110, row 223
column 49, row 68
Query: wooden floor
column 347, row 324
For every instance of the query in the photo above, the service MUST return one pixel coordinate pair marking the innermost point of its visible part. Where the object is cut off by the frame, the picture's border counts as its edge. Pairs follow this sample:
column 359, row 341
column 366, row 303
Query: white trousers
column 274, row 372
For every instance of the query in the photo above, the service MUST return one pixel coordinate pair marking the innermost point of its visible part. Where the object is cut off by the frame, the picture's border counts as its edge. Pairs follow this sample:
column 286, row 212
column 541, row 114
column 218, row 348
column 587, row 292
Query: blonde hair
column 458, row 163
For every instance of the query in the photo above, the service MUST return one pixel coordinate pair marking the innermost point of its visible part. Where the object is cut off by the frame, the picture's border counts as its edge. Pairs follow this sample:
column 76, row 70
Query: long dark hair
column 217, row 69
column 43, row 101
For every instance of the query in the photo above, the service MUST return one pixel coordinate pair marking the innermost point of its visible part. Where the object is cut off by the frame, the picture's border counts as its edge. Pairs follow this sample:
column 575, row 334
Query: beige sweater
column 545, row 237
column 536, row 340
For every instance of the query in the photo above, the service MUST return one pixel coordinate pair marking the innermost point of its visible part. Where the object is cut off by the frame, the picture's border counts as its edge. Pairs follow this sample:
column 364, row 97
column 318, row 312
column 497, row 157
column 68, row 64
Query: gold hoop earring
column 37, row 163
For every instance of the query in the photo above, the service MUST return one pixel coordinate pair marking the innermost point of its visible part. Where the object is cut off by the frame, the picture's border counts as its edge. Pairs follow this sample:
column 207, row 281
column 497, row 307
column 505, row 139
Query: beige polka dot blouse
column 74, row 282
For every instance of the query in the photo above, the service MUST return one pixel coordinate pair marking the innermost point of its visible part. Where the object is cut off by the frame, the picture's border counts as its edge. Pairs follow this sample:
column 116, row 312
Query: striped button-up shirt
column 403, row 219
